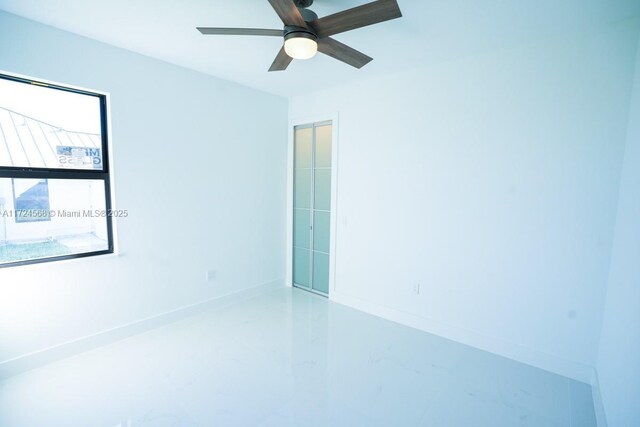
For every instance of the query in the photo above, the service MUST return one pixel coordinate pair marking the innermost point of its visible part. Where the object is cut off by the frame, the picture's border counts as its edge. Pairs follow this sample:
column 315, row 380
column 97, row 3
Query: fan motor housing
column 308, row 15
column 303, row 3
column 291, row 31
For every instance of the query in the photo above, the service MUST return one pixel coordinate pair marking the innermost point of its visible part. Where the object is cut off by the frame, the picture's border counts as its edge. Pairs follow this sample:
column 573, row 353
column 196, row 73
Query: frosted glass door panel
column 322, row 190
column 302, row 188
column 323, row 147
column 303, row 147
column 301, row 260
column 302, row 228
column 321, row 234
column 321, row 272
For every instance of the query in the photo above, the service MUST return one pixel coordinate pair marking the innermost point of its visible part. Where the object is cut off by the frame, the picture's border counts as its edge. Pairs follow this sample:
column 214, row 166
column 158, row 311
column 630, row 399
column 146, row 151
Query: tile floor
column 290, row 358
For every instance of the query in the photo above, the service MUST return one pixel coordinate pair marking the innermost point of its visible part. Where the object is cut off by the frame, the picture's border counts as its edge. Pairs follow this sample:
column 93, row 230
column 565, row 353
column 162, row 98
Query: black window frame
column 79, row 174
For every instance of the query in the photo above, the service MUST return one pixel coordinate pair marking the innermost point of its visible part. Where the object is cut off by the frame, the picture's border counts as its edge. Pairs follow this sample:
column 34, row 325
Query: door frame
column 333, row 222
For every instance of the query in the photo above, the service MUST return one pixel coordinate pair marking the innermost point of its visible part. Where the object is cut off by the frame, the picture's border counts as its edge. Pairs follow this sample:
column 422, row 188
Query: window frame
column 75, row 174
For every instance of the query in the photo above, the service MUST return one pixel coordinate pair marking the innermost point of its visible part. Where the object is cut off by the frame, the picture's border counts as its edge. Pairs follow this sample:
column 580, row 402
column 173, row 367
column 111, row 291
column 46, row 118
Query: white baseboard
column 598, row 404
column 51, row 354
column 519, row 353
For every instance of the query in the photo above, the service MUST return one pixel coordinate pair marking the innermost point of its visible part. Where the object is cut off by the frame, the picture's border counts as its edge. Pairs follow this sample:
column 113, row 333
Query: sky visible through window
column 67, row 110
column 43, row 127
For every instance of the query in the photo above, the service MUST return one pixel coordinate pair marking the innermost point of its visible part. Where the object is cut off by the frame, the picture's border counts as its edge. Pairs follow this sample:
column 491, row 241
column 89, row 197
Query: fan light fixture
column 300, row 45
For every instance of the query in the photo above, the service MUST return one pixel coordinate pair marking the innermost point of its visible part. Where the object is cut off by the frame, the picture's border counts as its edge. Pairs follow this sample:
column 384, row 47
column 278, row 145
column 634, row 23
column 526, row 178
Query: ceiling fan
column 305, row 34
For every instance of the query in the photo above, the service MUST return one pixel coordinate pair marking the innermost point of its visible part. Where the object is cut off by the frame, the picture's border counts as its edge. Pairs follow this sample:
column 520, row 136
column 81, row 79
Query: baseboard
column 48, row 355
column 538, row 359
column 598, row 404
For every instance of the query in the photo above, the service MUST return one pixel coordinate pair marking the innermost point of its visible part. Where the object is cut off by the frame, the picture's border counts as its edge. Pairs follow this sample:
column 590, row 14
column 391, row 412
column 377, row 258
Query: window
column 54, row 173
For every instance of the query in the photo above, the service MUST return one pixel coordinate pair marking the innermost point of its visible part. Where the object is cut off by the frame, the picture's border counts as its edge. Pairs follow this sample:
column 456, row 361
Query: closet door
column 312, row 206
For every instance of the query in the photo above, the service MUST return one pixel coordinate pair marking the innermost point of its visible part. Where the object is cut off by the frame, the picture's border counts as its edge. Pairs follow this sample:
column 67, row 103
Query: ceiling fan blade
column 357, row 17
column 240, row 31
column 281, row 62
column 342, row 52
column 288, row 12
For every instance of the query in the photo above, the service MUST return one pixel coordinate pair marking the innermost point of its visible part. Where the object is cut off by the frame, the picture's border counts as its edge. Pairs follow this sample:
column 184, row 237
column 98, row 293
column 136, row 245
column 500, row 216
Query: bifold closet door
column 312, row 206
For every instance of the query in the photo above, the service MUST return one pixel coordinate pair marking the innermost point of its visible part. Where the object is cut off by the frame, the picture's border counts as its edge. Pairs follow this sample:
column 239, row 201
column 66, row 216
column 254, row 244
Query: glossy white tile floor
column 290, row 358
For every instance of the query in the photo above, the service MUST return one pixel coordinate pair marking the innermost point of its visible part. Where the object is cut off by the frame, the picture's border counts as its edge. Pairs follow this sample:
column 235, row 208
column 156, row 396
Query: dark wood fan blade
column 240, row 31
column 342, row 52
column 288, row 12
column 281, row 62
column 357, row 17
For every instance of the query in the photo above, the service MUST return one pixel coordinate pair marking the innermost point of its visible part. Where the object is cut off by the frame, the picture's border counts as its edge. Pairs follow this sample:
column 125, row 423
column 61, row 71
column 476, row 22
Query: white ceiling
column 430, row 31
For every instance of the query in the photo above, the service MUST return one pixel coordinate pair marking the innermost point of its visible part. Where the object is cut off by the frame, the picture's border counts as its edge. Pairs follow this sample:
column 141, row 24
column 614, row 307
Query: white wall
column 200, row 164
column 491, row 181
column 619, row 357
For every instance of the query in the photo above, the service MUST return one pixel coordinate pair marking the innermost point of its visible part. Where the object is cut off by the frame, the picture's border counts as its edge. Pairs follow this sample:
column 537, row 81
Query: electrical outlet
column 416, row 288
column 211, row 275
